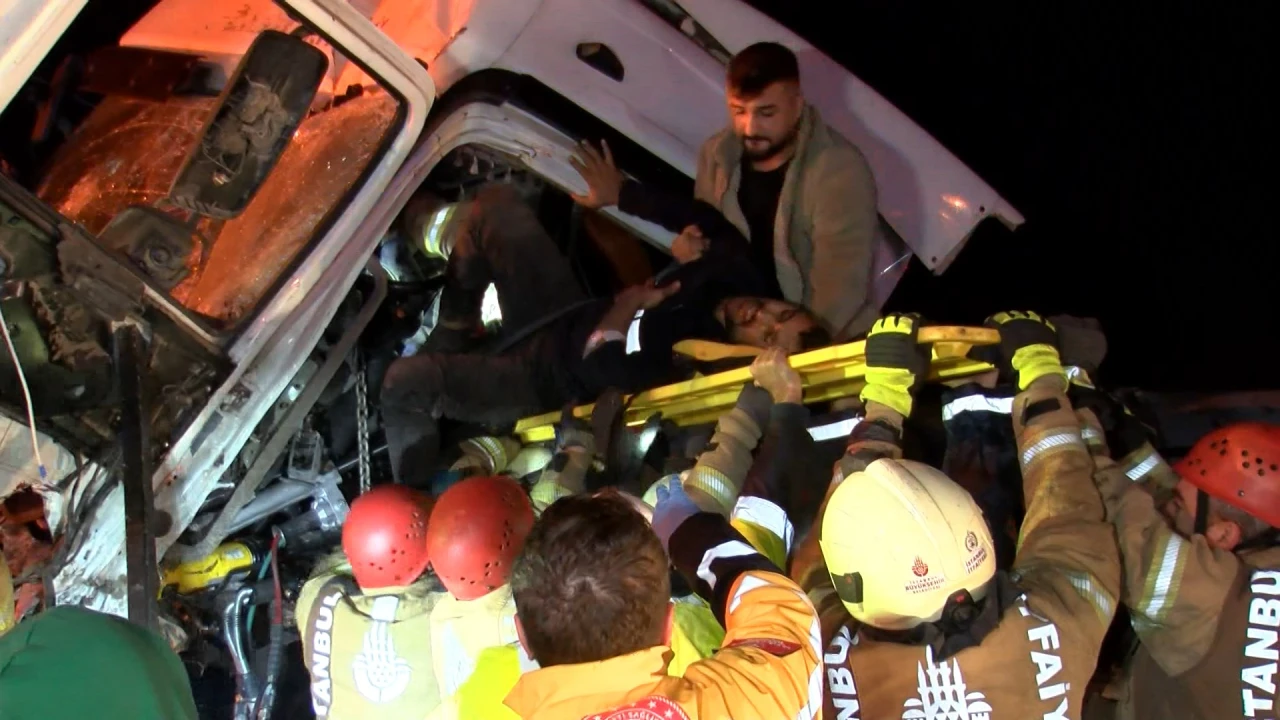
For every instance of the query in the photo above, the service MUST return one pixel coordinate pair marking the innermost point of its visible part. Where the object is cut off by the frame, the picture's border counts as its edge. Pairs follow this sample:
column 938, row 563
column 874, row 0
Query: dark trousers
column 497, row 240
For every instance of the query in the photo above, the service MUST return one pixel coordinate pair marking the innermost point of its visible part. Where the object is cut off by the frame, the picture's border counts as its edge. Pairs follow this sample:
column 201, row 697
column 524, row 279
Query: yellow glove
column 896, row 362
column 1028, row 347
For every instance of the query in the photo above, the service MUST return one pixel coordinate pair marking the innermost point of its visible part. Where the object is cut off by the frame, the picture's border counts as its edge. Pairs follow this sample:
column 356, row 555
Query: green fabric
column 69, row 662
column 701, row 631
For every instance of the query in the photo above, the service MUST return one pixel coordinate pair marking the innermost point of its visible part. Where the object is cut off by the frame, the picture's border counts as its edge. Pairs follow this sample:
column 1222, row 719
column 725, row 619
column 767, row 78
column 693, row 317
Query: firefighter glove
column 896, row 362
column 673, row 507
column 1028, row 347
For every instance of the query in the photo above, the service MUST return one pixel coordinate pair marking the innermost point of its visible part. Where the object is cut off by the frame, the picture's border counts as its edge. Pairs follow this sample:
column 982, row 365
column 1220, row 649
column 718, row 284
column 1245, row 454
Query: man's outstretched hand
column 689, row 245
column 604, row 180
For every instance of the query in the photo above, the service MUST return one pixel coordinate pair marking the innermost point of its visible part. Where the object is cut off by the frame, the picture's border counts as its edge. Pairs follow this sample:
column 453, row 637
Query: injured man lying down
column 568, row 347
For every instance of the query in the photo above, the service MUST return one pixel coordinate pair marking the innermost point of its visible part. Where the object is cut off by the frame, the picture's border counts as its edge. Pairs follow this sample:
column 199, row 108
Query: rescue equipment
column 1240, row 466
column 828, row 373
column 900, row 540
column 477, row 528
column 227, row 559
column 385, row 537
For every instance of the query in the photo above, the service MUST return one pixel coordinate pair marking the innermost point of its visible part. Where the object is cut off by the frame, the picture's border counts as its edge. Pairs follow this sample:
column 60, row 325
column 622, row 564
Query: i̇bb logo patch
column 654, row 707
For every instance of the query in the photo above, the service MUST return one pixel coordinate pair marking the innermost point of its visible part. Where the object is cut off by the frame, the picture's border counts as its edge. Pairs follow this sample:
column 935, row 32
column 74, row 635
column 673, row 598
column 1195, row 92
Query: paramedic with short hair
column 1201, row 575
column 803, row 195
column 917, row 620
column 594, row 609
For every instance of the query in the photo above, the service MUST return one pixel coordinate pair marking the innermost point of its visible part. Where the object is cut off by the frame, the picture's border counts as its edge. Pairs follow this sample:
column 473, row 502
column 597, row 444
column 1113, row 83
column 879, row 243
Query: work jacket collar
column 545, row 688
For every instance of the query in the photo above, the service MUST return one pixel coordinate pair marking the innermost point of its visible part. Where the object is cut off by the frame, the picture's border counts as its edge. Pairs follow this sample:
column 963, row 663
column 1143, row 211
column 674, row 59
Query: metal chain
column 362, row 424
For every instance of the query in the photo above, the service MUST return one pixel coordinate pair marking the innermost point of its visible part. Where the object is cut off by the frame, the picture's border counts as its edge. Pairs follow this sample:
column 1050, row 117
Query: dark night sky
column 1137, row 145
column 1135, row 142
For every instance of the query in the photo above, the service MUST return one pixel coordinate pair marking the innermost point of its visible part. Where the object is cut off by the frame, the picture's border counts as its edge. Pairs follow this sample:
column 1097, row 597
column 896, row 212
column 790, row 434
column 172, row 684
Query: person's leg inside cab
column 493, row 238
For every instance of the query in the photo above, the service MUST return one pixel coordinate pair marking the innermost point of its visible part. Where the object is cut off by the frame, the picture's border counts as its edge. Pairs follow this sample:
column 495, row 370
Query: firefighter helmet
column 1240, row 466
column 477, row 528
column 900, row 540
column 385, row 537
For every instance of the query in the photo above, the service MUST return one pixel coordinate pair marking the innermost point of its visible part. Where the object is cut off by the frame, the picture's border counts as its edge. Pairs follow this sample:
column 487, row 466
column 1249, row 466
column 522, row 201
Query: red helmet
column 385, row 537
column 477, row 528
column 1239, row 465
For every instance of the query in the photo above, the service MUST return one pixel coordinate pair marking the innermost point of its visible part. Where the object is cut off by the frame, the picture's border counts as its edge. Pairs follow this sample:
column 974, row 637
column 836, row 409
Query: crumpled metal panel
column 129, row 151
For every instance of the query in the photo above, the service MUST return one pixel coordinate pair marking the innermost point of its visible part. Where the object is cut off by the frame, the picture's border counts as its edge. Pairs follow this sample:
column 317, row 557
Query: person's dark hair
column 759, row 66
column 591, row 582
column 814, row 338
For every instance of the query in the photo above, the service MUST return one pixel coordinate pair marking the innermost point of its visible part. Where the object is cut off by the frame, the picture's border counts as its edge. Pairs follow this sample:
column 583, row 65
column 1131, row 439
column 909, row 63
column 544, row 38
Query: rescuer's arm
column 771, row 652
column 566, row 474
column 1173, row 586
column 896, row 365
column 715, row 481
column 1067, row 560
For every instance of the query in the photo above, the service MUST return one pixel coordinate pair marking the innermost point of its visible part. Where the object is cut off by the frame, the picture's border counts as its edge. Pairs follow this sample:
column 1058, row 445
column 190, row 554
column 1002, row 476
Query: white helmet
column 900, row 539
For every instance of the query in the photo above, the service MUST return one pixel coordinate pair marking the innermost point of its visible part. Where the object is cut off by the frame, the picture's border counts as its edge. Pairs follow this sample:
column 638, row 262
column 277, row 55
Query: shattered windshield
column 128, row 151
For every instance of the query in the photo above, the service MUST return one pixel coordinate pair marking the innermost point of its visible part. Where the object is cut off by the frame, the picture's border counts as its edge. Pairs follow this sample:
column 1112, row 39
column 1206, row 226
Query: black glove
column 1124, row 432
column 1028, row 348
column 897, row 363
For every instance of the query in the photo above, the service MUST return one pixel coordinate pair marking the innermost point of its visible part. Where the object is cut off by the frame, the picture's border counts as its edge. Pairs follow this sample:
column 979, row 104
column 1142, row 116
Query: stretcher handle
column 710, row 351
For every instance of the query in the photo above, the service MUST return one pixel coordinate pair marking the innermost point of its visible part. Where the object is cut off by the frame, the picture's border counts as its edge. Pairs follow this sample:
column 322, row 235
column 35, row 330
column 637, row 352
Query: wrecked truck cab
column 160, row 233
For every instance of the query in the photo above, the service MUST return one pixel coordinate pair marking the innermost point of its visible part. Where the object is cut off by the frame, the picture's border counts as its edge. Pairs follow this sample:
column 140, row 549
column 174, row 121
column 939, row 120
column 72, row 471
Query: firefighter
column 365, row 629
column 918, row 621
column 1201, row 576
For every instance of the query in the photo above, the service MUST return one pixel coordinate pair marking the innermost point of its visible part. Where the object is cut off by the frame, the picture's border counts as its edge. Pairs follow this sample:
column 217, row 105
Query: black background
column 1136, row 141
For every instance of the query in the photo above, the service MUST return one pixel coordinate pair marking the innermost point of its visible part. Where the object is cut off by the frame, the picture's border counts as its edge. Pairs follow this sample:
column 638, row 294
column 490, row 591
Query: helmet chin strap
column 1202, row 512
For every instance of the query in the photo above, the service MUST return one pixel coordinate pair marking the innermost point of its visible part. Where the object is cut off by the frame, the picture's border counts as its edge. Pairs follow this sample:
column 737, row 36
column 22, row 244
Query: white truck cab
column 237, row 329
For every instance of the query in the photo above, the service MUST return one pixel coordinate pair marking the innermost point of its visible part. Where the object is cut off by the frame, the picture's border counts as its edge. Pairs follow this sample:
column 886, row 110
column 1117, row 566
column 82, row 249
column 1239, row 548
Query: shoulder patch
column 773, row 646
column 654, row 707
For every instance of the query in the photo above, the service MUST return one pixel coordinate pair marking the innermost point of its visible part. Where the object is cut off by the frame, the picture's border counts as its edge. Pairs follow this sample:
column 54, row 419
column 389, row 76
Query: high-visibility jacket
column 767, row 666
column 369, row 655
column 697, row 634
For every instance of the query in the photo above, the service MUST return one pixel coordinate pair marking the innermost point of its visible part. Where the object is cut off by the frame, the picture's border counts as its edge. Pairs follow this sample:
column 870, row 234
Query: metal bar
column 292, row 421
column 352, row 462
column 139, row 501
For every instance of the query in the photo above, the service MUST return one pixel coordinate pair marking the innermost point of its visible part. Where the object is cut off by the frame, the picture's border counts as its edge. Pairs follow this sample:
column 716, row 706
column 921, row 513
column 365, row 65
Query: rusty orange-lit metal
column 129, row 151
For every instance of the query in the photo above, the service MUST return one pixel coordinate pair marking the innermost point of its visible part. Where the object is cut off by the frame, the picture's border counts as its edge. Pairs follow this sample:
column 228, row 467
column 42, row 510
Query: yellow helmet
column 900, row 539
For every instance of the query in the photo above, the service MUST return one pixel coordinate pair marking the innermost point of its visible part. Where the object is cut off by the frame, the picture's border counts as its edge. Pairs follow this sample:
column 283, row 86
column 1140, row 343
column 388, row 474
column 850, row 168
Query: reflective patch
column 654, row 707
column 943, row 693
column 773, row 646
column 633, row 334
column 381, row 675
column 831, row 431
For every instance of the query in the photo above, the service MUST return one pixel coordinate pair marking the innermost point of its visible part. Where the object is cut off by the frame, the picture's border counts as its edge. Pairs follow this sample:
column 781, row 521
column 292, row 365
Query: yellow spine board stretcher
column 828, row 374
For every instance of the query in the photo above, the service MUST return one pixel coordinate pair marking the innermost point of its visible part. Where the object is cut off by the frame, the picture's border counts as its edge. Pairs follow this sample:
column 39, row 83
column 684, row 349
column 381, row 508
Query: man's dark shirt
column 645, row 359
column 758, row 196
column 676, row 212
